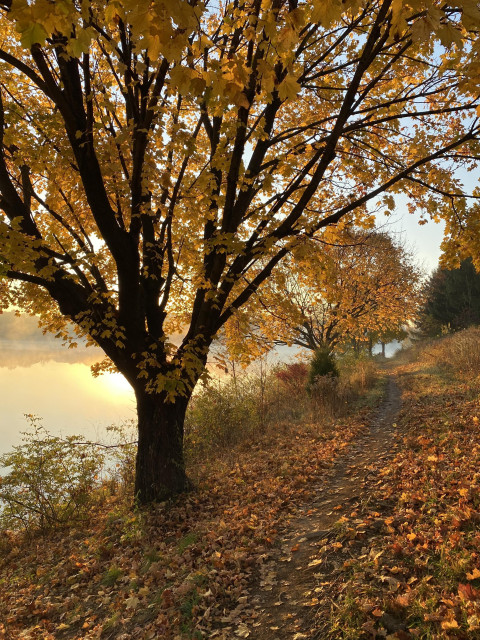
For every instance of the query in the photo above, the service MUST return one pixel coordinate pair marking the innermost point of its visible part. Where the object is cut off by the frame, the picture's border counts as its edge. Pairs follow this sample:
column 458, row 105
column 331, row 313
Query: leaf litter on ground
column 178, row 570
column 416, row 573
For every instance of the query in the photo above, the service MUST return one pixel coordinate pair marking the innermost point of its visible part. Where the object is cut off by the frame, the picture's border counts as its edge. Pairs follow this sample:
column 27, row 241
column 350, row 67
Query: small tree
column 321, row 364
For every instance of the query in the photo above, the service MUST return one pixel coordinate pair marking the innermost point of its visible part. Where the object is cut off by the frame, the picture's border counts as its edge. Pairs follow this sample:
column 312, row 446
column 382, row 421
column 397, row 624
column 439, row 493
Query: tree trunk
column 383, row 349
column 160, row 466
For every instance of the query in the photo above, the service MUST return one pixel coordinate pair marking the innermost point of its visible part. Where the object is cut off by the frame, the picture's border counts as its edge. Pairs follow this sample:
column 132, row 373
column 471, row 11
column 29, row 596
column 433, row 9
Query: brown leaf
column 467, row 592
column 403, row 601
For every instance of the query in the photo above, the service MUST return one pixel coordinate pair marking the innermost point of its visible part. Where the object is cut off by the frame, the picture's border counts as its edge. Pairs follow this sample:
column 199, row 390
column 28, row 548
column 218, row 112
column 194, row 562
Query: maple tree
column 326, row 295
column 159, row 159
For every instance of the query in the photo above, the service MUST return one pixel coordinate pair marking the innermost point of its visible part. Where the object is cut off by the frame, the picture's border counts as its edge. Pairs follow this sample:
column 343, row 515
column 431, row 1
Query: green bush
column 222, row 413
column 321, row 364
column 50, row 480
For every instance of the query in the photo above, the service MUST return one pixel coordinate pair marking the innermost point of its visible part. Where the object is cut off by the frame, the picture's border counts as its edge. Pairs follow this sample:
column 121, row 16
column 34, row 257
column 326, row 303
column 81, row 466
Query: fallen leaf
column 467, row 592
column 132, row 602
column 315, row 562
column 449, row 624
column 242, row 631
column 474, row 575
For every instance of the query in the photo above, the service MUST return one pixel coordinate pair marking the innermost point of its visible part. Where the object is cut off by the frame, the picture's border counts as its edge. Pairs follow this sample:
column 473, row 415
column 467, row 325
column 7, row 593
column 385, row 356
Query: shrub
column 288, row 398
column 222, row 413
column 332, row 393
column 358, row 372
column 225, row 412
column 293, row 376
column 329, row 396
column 321, row 364
column 50, row 480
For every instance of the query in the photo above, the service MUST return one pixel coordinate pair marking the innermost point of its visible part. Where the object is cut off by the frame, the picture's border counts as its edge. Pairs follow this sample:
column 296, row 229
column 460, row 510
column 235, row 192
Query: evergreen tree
column 452, row 300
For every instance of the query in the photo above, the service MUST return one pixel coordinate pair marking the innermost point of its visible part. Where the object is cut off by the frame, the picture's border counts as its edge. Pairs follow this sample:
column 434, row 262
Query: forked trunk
column 160, row 467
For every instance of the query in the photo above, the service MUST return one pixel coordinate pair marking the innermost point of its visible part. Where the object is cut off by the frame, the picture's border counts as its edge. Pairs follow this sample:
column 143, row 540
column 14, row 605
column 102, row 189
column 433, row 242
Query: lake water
column 56, row 384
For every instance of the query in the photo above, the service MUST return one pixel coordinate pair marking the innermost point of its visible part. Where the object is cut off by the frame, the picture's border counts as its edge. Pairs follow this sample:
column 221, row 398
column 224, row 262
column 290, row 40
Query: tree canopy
column 159, row 159
column 324, row 295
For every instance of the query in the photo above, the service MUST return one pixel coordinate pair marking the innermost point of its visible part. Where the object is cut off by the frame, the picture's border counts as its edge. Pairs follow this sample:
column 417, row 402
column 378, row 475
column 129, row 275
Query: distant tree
column 328, row 294
column 452, row 300
column 384, row 337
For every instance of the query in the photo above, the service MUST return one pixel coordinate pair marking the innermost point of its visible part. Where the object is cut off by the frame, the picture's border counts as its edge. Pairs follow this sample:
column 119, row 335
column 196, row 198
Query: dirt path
column 292, row 570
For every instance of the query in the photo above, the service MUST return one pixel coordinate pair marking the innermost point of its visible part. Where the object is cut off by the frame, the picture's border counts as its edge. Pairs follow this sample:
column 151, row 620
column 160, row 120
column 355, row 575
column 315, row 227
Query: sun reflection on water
column 65, row 396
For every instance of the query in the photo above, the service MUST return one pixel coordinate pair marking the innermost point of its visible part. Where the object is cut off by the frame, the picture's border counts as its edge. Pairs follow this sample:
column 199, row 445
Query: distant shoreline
column 25, row 353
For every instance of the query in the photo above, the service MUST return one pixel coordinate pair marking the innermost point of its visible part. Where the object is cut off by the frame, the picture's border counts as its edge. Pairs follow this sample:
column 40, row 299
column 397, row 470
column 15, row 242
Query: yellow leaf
column 315, row 562
column 288, row 88
column 326, row 11
column 33, row 34
column 450, row 624
column 474, row 575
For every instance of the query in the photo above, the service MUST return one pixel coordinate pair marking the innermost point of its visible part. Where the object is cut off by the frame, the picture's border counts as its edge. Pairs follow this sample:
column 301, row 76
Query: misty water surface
column 39, row 376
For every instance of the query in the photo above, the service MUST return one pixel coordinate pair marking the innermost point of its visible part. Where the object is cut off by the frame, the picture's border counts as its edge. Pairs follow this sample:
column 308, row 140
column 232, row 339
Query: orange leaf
column 474, row 575
column 450, row 624
column 403, row 601
column 467, row 592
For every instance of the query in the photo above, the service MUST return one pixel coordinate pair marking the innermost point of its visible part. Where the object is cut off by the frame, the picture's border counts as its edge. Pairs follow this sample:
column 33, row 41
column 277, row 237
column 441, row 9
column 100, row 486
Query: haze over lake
column 40, row 376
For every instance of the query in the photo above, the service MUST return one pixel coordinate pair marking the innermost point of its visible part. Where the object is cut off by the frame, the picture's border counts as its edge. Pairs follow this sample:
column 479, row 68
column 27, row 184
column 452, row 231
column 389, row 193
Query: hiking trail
column 292, row 570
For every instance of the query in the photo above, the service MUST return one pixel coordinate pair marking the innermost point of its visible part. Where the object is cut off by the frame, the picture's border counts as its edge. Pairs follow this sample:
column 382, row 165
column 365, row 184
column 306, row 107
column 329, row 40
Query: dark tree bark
column 160, row 466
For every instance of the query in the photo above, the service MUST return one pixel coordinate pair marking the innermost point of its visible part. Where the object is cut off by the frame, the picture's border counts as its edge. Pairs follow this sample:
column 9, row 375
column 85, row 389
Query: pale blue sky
column 424, row 240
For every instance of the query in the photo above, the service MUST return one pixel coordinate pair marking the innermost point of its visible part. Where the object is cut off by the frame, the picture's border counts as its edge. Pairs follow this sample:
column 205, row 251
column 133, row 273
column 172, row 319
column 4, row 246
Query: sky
column 423, row 240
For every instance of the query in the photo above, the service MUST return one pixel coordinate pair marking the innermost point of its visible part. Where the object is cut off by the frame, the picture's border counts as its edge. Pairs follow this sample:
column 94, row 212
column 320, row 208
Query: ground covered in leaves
column 401, row 561
column 415, row 571
column 178, row 571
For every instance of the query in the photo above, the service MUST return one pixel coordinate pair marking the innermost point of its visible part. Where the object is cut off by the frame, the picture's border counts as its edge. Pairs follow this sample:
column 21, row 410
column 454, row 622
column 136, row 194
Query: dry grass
column 457, row 353
column 332, row 396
